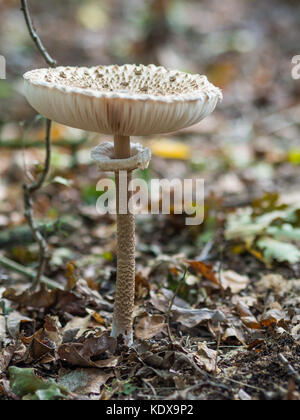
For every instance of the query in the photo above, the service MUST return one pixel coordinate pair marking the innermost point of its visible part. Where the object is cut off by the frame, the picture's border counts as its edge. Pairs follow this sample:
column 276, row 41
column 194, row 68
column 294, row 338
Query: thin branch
column 36, row 39
column 29, row 190
column 18, row 268
column 36, row 186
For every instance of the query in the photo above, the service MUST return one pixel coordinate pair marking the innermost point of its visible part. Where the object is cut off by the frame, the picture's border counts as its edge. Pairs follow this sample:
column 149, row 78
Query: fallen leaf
column 243, row 396
column 191, row 317
column 280, row 251
column 39, row 347
column 234, row 332
column 296, row 333
column 274, row 317
column 181, row 311
column 2, row 329
column 25, row 384
column 84, row 381
column 71, row 275
column 206, row 357
column 81, row 354
column 170, row 149
column 14, row 322
column 206, row 270
column 234, row 281
column 6, row 356
column 46, row 299
column 148, row 326
column 142, row 286
column 78, row 323
column 247, row 317
column 161, row 300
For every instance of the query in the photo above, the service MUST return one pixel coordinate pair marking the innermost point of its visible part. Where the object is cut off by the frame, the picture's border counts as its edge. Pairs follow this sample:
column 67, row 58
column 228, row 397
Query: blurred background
column 249, row 146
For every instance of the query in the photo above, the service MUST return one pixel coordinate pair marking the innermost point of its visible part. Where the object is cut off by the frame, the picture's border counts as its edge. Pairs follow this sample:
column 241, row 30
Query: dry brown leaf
column 296, row 333
column 71, row 275
column 274, row 317
column 206, row 270
column 161, row 300
column 98, row 318
column 78, row 323
column 81, row 354
column 148, row 326
column 39, row 348
column 53, row 330
column 6, row 356
column 142, row 286
column 46, row 299
column 181, row 312
column 206, row 357
column 247, row 317
column 84, row 381
column 234, row 333
column 234, row 281
column 191, row 317
column 14, row 321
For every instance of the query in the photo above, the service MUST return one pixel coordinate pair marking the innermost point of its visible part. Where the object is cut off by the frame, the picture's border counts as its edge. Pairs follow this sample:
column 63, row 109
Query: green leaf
column 280, row 251
column 286, row 231
column 25, row 384
column 128, row 389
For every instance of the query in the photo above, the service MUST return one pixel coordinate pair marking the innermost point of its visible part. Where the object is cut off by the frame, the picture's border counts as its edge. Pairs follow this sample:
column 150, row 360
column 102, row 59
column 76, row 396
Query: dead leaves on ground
column 48, row 299
column 82, row 346
column 148, row 326
column 82, row 343
column 82, row 353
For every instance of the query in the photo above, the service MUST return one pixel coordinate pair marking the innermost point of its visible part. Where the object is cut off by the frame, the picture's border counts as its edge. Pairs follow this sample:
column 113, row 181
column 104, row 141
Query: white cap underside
column 65, row 99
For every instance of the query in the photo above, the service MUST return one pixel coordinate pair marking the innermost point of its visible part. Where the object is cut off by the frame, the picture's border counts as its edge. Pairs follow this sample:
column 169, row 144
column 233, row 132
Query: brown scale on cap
column 151, row 80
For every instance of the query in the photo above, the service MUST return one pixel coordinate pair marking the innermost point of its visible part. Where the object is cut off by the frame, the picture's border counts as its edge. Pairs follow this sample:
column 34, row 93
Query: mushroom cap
column 128, row 100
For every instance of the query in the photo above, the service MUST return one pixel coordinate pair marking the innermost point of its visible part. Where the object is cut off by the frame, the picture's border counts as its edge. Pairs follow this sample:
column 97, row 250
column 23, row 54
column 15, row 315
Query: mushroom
column 123, row 101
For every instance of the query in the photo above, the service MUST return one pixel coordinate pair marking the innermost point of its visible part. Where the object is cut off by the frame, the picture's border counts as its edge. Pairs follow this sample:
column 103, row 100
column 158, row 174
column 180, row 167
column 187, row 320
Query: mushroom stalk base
column 125, row 285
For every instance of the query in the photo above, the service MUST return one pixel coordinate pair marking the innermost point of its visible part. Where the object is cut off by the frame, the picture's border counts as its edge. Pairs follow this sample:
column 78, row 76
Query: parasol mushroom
column 122, row 101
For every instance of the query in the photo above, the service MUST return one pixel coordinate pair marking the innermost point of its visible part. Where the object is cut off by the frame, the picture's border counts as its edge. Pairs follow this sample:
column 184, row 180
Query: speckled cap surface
column 128, row 100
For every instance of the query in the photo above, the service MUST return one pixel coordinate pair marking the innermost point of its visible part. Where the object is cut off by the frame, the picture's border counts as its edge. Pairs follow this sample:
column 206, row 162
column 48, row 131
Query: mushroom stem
column 125, row 286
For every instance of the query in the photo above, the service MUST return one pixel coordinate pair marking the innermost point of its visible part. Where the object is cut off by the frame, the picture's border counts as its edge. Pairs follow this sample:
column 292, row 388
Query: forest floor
column 235, row 321
column 233, row 329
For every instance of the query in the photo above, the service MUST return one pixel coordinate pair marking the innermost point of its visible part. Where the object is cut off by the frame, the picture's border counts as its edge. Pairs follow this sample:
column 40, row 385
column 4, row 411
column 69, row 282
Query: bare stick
column 29, row 190
column 18, row 268
column 36, row 39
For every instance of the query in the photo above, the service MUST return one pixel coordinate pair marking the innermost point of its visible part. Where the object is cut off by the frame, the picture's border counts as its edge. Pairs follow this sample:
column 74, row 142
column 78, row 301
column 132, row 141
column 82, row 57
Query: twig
column 191, row 362
column 30, row 189
column 18, row 268
column 218, row 349
column 36, row 186
column 36, row 39
column 291, row 371
column 168, row 314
